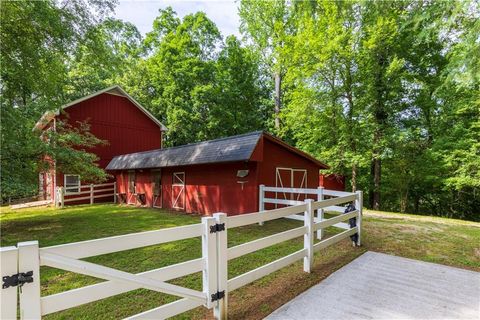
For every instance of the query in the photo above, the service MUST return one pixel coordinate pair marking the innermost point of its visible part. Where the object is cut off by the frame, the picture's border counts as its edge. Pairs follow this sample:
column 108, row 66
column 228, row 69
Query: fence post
column 8, row 296
column 308, row 237
column 320, row 212
column 261, row 196
column 359, row 207
column 62, row 196
column 56, row 197
column 91, row 193
column 29, row 260
column 221, row 310
column 209, row 255
column 115, row 192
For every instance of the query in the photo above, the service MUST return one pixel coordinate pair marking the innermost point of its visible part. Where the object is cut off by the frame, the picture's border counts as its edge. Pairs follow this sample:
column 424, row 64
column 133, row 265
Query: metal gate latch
column 217, row 227
column 18, row 279
column 217, row 296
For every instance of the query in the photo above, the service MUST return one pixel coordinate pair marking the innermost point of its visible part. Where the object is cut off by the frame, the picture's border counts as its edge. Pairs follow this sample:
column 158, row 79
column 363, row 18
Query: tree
column 192, row 79
column 324, row 99
column 104, row 55
column 268, row 24
column 241, row 91
column 38, row 37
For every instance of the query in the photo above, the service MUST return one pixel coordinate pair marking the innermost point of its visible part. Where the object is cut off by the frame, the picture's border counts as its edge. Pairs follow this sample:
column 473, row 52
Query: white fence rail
column 85, row 192
column 21, row 264
column 318, row 194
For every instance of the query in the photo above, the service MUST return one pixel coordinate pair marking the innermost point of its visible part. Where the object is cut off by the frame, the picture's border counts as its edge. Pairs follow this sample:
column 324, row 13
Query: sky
column 142, row 13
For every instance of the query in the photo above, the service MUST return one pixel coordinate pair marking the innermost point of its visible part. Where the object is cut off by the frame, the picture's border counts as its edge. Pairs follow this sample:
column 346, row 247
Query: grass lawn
column 445, row 241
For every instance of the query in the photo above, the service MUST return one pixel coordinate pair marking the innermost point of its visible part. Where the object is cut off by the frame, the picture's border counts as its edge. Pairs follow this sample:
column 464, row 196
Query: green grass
column 445, row 241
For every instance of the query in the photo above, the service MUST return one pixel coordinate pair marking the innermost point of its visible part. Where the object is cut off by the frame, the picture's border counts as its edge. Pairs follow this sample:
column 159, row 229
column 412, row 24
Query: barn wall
column 115, row 119
column 208, row 188
column 332, row 182
column 274, row 155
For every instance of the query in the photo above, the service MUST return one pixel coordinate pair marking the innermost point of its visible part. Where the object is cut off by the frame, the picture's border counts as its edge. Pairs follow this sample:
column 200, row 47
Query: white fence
column 21, row 264
column 85, row 192
column 320, row 194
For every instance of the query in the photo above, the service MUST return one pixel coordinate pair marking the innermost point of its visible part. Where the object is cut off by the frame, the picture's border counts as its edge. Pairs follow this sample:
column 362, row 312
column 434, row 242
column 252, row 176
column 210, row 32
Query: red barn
column 113, row 116
column 332, row 181
column 221, row 175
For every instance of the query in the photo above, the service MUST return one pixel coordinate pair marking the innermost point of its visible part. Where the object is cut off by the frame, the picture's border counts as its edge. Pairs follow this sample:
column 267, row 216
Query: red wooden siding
column 332, row 182
column 208, row 188
column 275, row 156
column 115, row 119
column 214, row 188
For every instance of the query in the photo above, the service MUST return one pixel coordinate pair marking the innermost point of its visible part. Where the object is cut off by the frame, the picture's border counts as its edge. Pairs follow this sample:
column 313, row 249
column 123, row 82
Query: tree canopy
column 386, row 93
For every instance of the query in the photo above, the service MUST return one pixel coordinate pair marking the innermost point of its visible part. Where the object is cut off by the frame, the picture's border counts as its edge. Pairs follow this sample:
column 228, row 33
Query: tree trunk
column 377, row 169
column 403, row 201
column 278, row 95
column 351, row 122
column 354, row 178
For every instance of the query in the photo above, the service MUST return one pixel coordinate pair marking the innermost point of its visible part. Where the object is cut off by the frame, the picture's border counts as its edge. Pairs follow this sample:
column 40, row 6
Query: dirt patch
column 415, row 229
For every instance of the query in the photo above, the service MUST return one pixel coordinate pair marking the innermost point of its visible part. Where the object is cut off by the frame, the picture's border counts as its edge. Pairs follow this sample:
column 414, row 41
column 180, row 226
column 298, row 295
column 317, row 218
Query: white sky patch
column 142, row 13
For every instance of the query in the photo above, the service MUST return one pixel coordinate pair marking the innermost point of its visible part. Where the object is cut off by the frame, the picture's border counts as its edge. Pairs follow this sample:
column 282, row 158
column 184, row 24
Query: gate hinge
column 219, row 295
column 217, row 227
column 18, row 279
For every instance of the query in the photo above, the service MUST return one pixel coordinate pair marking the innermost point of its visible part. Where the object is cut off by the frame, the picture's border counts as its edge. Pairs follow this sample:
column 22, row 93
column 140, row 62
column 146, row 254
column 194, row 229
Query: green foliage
column 38, row 39
column 387, row 93
column 192, row 79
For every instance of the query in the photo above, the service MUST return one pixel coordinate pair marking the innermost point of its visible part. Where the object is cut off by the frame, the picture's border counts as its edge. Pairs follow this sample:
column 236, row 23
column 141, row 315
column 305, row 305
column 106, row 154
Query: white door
column 178, row 190
column 290, row 178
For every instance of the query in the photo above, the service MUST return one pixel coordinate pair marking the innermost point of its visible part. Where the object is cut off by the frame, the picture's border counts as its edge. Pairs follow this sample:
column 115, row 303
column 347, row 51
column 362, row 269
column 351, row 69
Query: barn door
column 178, row 190
column 299, row 180
column 48, row 186
column 157, row 188
column 131, row 187
column 290, row 178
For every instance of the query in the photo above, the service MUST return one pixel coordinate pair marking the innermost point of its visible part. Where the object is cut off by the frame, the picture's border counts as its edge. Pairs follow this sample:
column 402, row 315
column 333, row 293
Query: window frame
column 78, row 186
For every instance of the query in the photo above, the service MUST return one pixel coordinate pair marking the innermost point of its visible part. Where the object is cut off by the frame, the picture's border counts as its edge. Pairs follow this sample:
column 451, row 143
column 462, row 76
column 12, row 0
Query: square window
column 72, row 183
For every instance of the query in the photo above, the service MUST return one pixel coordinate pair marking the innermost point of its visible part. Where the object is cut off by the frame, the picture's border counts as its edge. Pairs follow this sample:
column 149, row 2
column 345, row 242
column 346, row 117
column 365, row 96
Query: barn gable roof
column 116, row 90
column 229, row 149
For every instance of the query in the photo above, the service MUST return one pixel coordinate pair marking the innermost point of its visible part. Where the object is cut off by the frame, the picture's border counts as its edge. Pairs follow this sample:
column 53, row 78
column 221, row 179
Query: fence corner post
column 261, row 196
column 8, row 297
column 29, row 260
column 57, row 196
column 209, row 255
column 308, row 237
column 62, row 197
column 320, row 212
column 91, row 193
column 221, row 310
column 115, row 192
column 359, row 206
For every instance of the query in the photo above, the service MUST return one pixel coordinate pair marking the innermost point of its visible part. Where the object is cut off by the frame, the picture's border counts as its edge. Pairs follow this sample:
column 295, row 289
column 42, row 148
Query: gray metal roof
column 235, row 148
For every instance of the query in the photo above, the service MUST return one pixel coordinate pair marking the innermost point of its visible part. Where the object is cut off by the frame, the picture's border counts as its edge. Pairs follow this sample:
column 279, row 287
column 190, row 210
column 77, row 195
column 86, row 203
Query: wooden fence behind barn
column 21, row 264
column 89, row 192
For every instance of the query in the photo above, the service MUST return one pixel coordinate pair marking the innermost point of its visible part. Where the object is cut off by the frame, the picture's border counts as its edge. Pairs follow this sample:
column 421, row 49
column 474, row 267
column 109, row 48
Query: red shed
column 332, row 181
column 221, row 175
column 113, row 116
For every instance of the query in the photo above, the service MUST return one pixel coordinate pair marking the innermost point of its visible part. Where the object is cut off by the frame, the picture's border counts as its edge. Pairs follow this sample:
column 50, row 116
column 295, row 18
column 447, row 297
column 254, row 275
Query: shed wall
column 208, row 188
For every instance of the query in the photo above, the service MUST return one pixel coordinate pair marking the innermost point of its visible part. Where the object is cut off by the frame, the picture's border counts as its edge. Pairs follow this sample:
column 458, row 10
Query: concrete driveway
column 381, row 286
